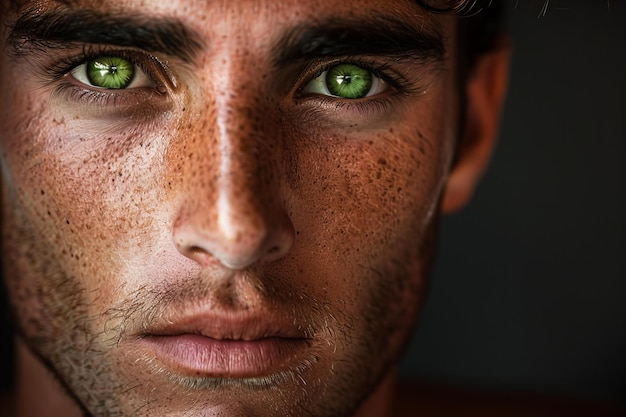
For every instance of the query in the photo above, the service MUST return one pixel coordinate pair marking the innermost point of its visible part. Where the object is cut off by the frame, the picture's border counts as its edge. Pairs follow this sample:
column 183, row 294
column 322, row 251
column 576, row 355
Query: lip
column 232, row 346
column 202, row 356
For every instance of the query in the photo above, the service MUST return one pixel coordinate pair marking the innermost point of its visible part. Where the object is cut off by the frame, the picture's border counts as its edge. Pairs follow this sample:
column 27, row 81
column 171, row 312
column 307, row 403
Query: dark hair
column 481, row 22
column 460, row 7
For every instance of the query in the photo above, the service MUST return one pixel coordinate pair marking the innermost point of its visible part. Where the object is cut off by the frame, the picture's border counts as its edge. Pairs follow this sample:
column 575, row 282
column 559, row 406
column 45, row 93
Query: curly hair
column 460, row 7
column 481, row 22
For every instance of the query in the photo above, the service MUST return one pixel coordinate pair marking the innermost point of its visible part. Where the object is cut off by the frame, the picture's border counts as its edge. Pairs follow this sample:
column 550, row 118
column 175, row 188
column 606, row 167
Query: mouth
column 210, row 346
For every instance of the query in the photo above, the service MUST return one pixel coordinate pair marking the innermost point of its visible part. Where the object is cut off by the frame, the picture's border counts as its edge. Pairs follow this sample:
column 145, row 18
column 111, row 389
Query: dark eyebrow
column 372, row 36
column 63, row 27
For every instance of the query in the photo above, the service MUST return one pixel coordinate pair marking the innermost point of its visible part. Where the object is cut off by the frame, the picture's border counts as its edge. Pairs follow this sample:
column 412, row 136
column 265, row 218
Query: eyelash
column 382, row 71
column 75, row 90
column 398, row 83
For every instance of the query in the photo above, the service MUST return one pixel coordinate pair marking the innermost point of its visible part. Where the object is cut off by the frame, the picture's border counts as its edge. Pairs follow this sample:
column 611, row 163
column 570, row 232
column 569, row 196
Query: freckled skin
column 228, row 192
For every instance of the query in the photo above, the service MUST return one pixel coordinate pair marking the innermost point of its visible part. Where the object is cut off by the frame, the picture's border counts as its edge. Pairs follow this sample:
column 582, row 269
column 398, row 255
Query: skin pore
column 227, row 183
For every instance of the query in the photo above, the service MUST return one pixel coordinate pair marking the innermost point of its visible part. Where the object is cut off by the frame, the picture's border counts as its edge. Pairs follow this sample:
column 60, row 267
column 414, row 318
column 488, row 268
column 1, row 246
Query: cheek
column 363, row 206
column 81, row 196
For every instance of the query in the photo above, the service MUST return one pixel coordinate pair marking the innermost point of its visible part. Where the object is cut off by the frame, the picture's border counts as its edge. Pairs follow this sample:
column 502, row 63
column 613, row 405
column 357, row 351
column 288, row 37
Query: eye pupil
column 344, row 79
column 110, row 72
column 349, row 81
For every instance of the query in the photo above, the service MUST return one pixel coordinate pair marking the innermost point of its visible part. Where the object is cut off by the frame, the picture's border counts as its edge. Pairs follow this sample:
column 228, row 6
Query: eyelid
column 407, row 81
column 379, row 68
column 157, row 74
column 150, row 96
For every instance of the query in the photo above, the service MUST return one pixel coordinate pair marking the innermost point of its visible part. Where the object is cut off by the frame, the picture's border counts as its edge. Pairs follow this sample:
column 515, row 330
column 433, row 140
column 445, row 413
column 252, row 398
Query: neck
column 381, row 402
column 38, row 393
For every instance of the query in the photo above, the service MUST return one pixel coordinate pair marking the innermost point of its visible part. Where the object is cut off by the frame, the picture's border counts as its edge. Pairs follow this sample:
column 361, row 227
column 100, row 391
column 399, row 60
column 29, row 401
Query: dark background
column 530, row 287
column 529, row 290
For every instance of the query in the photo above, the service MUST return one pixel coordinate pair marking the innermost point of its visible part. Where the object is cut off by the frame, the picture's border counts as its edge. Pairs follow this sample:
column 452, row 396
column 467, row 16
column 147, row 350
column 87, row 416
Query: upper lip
column 243, row 326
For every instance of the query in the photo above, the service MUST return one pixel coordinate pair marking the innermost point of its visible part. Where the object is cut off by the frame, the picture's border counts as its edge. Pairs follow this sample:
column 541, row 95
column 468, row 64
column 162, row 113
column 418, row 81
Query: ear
column 485, row 89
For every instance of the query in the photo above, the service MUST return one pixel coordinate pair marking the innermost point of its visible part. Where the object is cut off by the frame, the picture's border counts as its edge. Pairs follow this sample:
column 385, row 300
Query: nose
column 232, row 211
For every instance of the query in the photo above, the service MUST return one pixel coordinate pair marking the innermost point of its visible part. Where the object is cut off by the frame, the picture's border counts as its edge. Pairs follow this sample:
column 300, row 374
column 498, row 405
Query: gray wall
column 530, row 286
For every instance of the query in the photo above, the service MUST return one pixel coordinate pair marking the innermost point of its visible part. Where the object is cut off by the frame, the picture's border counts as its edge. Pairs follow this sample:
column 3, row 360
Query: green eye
column 348, row 81
column 110, row 72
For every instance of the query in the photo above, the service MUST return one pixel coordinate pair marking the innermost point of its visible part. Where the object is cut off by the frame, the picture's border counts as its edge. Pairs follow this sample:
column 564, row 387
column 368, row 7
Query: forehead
column 321, row 7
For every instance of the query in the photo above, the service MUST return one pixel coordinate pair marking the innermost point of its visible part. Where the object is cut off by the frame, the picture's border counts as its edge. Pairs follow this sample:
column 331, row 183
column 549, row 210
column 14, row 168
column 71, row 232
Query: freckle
column 382, row 161
column 43, row 192
column 67, row 221
column 391, row 130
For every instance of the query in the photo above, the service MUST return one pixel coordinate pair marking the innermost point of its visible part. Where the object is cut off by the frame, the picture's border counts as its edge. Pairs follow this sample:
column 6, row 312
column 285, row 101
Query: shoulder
column 425, row 400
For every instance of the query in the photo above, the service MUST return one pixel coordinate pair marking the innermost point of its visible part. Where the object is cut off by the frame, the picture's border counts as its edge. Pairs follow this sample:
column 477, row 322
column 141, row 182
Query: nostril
column 237, row 241
column 197, row 250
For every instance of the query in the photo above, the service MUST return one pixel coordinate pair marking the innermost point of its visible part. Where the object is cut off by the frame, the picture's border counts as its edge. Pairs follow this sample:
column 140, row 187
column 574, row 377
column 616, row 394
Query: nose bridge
column 241, row 190
column 239, row 220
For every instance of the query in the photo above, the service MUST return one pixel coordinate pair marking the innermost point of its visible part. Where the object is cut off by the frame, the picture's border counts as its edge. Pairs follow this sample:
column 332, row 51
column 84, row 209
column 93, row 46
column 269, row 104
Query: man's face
column 222, row 206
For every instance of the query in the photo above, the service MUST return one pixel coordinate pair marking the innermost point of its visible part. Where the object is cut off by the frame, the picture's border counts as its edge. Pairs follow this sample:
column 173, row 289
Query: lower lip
column 202, row 356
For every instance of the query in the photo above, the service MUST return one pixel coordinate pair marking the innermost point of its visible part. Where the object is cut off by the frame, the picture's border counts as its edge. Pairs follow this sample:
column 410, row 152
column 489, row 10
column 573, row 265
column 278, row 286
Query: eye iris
column 349, row 81
column 110, row 72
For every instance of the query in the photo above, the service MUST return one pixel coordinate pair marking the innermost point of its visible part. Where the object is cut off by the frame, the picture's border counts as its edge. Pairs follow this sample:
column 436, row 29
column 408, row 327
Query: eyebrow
column 62, row 27
column 370, row 36
column 378, row 35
